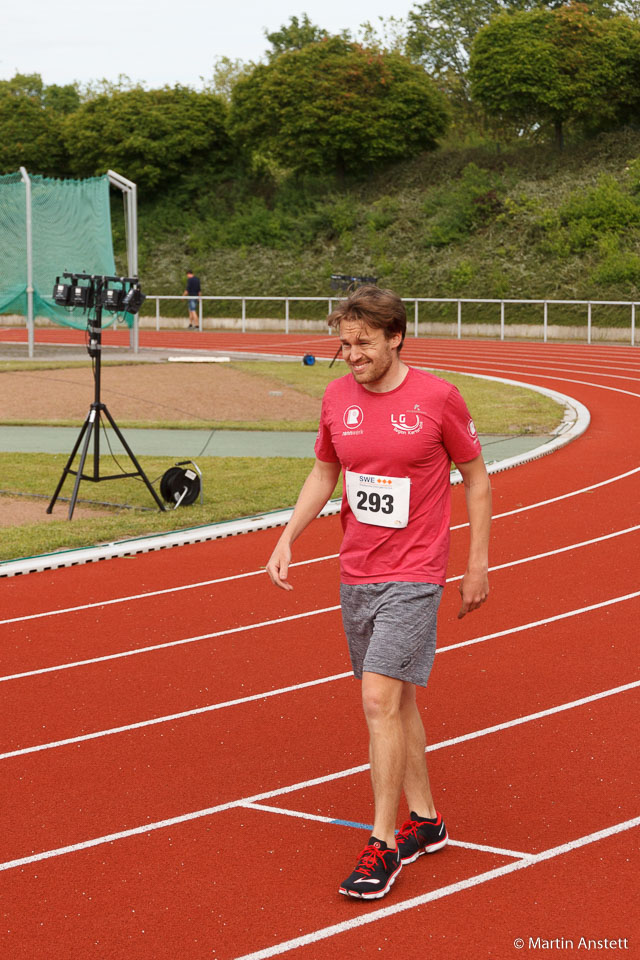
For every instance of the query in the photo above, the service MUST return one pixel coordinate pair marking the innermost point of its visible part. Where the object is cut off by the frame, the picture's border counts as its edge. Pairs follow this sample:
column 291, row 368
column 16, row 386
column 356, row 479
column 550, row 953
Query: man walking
column 393, row 430
column 192, row 291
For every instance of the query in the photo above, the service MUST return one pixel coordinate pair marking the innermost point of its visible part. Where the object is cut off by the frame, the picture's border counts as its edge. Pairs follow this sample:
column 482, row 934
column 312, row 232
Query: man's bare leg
column 417, row 788
column 381, row 698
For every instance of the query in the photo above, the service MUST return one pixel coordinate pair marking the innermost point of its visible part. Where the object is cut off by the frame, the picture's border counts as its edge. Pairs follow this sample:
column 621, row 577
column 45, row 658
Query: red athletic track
column 542, row 711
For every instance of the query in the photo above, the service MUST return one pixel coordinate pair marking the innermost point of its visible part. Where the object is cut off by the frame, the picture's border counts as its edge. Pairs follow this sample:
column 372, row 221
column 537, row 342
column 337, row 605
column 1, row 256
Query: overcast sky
column 158, row 41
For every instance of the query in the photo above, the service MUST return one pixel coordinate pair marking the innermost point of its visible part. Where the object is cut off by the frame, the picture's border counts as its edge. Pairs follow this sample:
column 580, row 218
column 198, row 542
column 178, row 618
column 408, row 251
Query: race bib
column 382, row 501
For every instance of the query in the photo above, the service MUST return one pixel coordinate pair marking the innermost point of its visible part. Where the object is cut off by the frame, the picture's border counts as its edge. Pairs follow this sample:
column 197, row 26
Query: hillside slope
column 521, row 223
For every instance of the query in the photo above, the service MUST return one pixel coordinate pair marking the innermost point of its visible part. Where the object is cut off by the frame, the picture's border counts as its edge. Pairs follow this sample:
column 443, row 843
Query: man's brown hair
column 379, row 309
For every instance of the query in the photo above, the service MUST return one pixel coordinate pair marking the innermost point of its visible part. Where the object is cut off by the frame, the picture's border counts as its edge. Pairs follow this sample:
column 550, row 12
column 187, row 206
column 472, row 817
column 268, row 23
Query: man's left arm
column 474, row 586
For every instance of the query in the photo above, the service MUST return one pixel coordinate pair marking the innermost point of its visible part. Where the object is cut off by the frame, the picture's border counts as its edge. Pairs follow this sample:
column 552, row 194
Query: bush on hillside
column 334, row 106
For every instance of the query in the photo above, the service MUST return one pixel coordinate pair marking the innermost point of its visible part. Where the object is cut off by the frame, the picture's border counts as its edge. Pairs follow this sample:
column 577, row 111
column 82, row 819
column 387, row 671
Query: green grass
column 233, row 487
column 496, row 407
column 308, row 426
column 22, row 366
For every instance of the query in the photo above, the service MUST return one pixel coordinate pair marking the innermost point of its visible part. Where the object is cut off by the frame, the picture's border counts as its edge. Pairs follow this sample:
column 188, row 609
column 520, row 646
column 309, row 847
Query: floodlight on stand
column 113, row 299
column 133, row 300
column 81, row 296
column 61, row 292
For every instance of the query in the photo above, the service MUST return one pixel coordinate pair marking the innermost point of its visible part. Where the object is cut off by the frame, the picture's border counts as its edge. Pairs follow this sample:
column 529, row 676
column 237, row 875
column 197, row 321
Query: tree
column 441, row 34
column 334, row 106
column 557, row 66
column 226, row 73
column 294, row 36
column 31, row 117
column 151, row 136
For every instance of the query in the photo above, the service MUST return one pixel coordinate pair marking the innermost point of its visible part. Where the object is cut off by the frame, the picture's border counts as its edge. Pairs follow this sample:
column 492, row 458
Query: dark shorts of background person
column 193, row 304
column 391, row 628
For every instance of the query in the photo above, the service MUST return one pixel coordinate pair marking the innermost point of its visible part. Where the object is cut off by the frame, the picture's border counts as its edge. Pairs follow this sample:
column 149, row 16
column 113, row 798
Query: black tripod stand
column 91, row 425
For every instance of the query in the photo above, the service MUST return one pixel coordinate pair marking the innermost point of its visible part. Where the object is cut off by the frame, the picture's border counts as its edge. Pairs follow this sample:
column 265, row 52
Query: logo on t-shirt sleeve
column 471, row 427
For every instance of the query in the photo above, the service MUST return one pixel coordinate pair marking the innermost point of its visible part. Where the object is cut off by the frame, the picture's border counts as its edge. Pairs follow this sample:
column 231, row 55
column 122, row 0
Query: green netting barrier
column 71, row 231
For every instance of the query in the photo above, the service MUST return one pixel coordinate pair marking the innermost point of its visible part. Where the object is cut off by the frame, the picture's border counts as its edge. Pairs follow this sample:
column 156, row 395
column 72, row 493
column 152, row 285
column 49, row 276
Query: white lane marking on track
column 553, row 553
column 542, row 376
column 563, row 496
column 169, row 644
column 294, row 787
column 196, row 711
column 298, row 616
column 300, row 686
column 299, row 563
column 301, row 815
column 560, row 365
column 540, row 623
column 158, row 593
column 362, row 919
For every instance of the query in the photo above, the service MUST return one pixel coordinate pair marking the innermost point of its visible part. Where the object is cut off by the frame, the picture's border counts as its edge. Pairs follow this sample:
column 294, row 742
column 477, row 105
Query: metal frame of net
column 69, row 230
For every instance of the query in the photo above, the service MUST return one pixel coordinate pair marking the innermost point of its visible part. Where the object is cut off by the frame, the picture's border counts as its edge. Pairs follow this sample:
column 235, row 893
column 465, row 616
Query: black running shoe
column 417, row 836
column 377, row 868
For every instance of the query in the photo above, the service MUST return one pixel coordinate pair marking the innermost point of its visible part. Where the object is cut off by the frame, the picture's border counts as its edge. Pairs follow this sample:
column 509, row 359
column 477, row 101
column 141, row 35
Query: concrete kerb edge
column 574, row 423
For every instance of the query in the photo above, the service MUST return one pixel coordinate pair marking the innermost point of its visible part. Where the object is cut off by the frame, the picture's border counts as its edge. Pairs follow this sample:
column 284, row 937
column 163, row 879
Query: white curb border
column 574, row 423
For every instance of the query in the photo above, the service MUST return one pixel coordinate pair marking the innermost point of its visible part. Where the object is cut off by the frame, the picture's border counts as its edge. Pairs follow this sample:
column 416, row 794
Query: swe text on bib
column 382, row 501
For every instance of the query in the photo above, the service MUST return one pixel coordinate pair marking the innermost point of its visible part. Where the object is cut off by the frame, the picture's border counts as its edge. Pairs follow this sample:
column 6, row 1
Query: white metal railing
column 459, row 301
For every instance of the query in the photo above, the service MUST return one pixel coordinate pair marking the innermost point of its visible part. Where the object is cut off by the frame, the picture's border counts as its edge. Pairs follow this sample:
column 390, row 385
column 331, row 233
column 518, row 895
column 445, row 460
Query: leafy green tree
column 441, row 33
column 150, row 136
column 553, row 67
column 294, row 36
column 31, row 116
column 334, row 106
column 226, row 73
column 385, row 34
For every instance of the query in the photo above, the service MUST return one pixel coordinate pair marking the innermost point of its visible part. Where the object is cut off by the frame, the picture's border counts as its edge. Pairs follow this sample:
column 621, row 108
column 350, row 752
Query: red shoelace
column 409, row 828
column 368, row 858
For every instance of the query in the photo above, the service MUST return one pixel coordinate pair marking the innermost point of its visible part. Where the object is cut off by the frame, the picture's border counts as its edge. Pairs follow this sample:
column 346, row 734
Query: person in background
column 193, row 291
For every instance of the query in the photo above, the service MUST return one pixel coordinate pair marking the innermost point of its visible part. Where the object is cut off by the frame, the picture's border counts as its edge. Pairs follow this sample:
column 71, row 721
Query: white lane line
column 309, row 683
column 499, row 851
column 508, row 724
column 563, row 496
column 297, row 616
column 301, row 815
column 158, row 593
column 196, row 711
column 262, row 807
column 361, row 920
column 300, row 563
column 505, row 725
column 582, row 383
column 553, row 368
column 165, row 646
column 540, row 623
column 233, row 804
column 558, row 550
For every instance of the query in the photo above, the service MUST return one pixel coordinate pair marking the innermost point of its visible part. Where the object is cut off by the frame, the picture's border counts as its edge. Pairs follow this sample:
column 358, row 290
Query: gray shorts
column 391, row 628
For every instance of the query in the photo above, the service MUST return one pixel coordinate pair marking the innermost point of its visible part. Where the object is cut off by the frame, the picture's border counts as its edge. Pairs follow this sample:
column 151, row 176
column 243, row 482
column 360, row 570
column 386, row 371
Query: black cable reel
column 181, row 486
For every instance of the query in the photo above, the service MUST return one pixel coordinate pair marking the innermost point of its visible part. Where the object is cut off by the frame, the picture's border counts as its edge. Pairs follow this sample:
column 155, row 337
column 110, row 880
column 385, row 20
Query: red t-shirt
column 413, row 431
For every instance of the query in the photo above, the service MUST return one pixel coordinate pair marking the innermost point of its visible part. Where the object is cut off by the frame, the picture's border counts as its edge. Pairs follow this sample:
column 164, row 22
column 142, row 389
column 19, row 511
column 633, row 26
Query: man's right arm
column 315, row 492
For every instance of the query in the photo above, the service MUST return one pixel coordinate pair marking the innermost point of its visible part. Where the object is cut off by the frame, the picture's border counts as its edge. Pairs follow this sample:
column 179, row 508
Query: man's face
column 367, row 352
